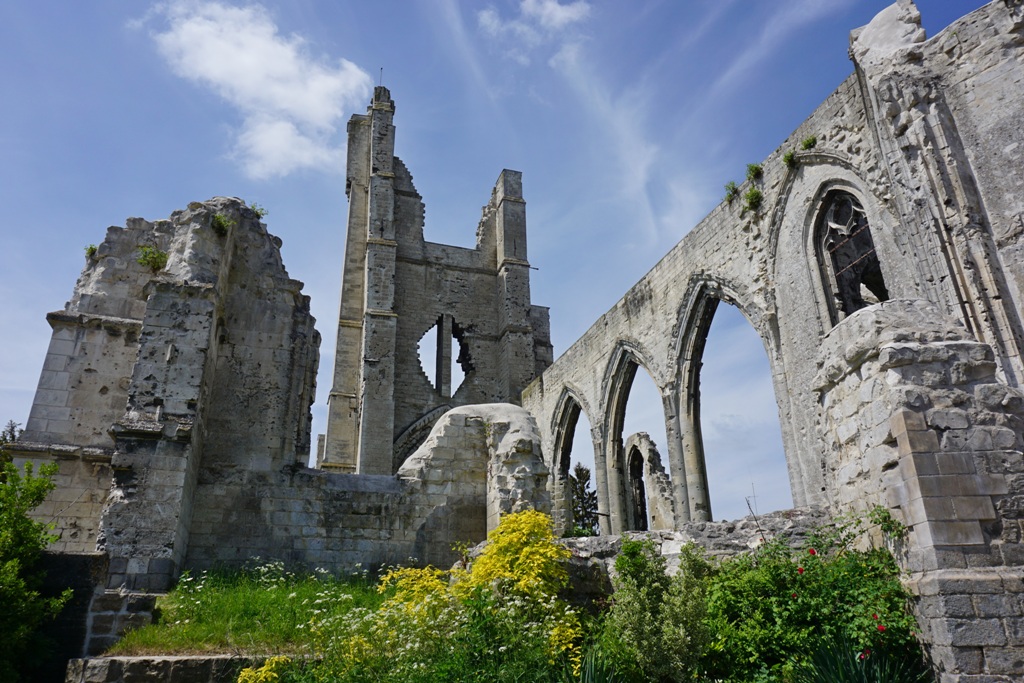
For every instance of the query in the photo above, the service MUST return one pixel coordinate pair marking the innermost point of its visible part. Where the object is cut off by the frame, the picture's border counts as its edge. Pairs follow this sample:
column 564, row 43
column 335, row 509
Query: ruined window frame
column 837, row 304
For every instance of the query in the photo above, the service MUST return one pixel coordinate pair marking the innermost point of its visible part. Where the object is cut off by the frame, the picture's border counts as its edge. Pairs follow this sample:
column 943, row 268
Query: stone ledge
column 170, row 669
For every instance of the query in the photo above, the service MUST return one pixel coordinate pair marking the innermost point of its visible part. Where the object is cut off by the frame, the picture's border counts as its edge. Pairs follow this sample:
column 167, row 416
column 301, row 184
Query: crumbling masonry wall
column 397, row 287
column 887, row 248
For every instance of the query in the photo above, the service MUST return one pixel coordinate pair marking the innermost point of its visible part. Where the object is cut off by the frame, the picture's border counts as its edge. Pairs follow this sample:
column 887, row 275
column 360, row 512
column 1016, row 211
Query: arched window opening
column 636, row 494
column 643, row 417
column 574, row 467
column 846, row 255
column 739, row 421
column 445, row 370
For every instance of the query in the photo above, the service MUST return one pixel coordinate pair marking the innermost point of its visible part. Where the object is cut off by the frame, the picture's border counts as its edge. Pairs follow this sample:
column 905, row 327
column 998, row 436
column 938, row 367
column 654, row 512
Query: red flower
column 881, row 628
column 812, row 551
column 862, row 655
column 875, row 617
column 799, row 570
column 794, row 595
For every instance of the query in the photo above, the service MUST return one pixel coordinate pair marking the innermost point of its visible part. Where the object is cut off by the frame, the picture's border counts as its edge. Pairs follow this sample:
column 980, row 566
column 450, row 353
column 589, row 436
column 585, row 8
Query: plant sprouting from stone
column 152, row 258
column 752, row 200
column 732, row 191
column 258, row 210
column 90, row 251
column 809, row 143
column 889, row 525
column 754, row 172
column 789, row 159
column 221, row 224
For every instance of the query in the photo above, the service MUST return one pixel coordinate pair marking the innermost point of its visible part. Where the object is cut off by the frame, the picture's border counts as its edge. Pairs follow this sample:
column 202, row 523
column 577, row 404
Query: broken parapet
column 485, row 454
column 184, row 347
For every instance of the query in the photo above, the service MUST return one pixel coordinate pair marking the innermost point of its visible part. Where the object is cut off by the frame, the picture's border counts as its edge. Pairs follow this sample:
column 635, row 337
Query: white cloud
column 552, row 15
column 292, row 102
column 539, row 21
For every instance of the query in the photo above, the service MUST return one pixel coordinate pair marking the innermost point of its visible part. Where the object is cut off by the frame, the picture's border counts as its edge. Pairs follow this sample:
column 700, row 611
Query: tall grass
column 260, row 610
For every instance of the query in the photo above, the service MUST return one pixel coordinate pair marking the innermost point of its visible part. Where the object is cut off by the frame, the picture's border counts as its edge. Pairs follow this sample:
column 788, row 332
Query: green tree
column 584, row 502
column 22, row 541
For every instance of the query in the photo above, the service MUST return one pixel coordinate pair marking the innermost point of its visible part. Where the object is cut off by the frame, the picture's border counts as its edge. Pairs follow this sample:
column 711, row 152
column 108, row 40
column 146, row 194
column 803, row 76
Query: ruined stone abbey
column 880, row 260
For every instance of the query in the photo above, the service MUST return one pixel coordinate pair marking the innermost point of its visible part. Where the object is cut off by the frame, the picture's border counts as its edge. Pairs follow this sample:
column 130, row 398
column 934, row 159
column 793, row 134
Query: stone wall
column 922, row 426
column 398, row 287
column 888, row 250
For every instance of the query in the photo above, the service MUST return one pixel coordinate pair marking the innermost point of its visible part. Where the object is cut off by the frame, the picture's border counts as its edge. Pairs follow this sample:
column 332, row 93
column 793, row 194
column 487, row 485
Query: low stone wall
column 202, row 669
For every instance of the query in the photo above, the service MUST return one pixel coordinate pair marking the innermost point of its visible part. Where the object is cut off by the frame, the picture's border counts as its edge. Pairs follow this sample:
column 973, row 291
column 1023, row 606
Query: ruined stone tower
column 397, row 287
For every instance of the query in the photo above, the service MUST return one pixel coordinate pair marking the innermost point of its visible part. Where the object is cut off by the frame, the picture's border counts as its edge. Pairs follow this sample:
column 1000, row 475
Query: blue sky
column 626, row 119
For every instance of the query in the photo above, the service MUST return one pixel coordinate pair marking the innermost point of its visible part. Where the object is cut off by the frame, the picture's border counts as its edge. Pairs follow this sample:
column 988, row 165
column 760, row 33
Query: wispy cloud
column 538, row 22
column 618, row 120
column 788, row 20
column 292, row 102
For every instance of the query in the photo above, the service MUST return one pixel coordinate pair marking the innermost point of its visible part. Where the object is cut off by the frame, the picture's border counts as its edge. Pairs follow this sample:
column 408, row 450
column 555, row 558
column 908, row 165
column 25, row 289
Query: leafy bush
column 90, row 251
column 258, row 210
column 772, row 609
column 809, row 143
column 655, row 628
column 22, row 541
column 499, row 620
column 789, row 159
column 754, row 172
column 152, row 258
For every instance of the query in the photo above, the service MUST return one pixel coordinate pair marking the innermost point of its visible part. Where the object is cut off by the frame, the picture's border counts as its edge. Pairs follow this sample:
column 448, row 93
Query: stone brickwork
column 183, row 669
column 397, row 287
column 923, row 426
column 647, row 474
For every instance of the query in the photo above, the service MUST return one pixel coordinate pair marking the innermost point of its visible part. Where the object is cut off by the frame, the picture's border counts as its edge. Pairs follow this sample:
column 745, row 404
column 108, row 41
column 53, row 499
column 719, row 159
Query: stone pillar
column 516, row 350
column 377, row 375
column 341, row 442
column 444, row 356
column 146, row 520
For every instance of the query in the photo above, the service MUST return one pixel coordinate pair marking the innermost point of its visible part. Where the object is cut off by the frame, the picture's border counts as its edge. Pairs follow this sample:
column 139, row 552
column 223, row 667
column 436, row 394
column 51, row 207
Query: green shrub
column 90, row 251
column 789, row 159
column 809, row 143
column 152, row 258
column 498, row 620
column 221, row 224
column 258, row 210
column 752, row 200
column 656, row 627
column 771, row 610
column 22, row 540
column 754, row 172
column 839, row 661
column 732, row 191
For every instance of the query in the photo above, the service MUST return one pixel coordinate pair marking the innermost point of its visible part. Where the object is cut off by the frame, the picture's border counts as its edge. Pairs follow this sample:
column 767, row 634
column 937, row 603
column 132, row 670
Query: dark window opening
column 846, row 253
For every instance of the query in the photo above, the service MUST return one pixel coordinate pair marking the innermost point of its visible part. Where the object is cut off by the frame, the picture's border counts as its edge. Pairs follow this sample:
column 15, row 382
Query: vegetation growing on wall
column 221, row 224
column 152, row 258
column 732, row 191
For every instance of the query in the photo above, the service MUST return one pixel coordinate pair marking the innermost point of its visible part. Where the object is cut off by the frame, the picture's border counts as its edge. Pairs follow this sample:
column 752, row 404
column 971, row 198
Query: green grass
column 255, row 611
